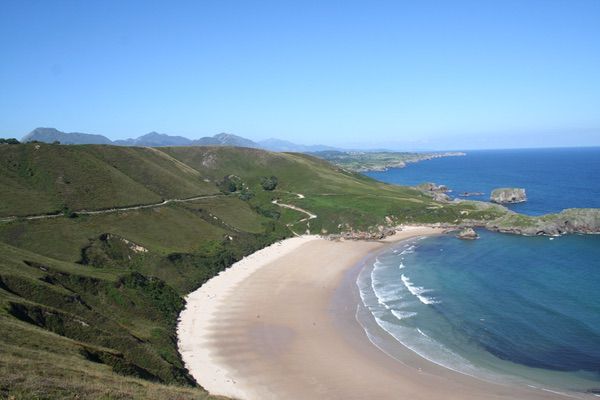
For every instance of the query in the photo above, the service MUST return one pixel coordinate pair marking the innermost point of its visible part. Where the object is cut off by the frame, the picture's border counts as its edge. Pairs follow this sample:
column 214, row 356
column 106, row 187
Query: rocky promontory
column 508, row 195
column 572, row 220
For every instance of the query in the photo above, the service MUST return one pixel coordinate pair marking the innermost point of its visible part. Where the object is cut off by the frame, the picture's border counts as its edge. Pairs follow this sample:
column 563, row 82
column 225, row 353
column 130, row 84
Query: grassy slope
column 42, row 178
column 117, row 316
column 90, row 313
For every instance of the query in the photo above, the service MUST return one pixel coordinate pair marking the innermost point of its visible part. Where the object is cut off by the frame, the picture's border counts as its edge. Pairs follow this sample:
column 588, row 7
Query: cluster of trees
column 234, row 184
column 15, row 141
column 269, row 183
column 231, row 184
column 9, row 141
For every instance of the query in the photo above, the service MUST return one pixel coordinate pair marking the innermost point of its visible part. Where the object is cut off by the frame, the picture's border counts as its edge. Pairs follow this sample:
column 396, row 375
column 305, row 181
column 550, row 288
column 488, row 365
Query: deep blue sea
column 523, row 309
column 553, row 178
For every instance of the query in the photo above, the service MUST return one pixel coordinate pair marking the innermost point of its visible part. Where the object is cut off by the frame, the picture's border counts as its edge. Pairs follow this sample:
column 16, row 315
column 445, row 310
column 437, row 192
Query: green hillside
column 89, row 302
column 42, row 178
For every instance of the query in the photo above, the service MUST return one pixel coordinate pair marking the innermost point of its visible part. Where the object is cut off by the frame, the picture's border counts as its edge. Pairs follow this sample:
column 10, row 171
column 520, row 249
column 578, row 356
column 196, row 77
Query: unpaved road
column 112, row 210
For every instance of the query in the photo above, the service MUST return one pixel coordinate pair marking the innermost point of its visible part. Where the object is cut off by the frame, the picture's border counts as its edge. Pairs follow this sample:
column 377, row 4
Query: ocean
column 554, row 179
column 504, row 307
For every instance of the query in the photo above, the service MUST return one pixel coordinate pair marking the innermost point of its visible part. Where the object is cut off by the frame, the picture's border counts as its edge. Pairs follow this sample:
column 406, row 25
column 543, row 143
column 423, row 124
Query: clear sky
column 404, row 74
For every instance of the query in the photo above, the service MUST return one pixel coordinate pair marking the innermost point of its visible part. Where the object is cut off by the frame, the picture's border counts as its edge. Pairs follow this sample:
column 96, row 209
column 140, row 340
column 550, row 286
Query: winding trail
column 292, row 207
column 112, row 210
column 309, row 215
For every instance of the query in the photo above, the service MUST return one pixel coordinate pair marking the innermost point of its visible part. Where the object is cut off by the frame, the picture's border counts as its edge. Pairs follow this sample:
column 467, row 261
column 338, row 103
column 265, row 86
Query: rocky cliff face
column 508, row 195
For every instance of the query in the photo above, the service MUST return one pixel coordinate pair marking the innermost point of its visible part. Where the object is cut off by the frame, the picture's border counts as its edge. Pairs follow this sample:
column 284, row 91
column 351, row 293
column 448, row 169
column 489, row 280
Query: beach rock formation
column 508, row 195
column 381, row 233
column 468, row 234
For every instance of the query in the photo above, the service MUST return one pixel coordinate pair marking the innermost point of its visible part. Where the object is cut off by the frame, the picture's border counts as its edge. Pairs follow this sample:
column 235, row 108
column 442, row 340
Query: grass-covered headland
column 99, row 245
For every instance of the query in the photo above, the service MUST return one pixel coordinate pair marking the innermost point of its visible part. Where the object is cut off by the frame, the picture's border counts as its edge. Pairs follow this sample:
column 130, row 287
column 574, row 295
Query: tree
column 269, row 183
column 9, row 141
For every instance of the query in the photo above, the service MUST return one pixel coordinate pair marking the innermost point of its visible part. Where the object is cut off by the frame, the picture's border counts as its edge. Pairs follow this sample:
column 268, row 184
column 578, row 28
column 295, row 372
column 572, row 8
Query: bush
column 269, row 183
column 230, row 184
column 246, row 194
column 9, row 141
column 67, row 212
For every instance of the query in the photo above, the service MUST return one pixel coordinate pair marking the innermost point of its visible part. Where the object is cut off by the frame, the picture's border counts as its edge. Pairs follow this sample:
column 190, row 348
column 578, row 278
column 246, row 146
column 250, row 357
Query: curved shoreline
column 202, row 308
column 281, row 324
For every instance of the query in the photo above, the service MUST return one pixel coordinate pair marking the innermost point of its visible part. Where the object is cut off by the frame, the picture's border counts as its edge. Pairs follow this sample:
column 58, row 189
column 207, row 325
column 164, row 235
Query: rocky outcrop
column 438, row 192
column 468, row 234
column 469, row 194
column 381, row 233
column 110, row 250
column 432, row 187
column 508, row 195
column 573, row 220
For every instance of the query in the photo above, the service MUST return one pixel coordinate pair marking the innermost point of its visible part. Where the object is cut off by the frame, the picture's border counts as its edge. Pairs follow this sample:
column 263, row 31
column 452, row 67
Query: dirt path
column 309, row 215
column 112, row 210
column 292, row 207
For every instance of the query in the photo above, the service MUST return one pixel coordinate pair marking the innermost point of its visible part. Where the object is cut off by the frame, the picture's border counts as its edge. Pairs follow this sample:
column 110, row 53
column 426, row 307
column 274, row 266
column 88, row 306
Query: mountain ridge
column 49, row 135
column 155, row 139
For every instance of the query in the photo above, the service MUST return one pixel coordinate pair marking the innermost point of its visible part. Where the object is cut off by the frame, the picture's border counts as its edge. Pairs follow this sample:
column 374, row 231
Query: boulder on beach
column 508, row 195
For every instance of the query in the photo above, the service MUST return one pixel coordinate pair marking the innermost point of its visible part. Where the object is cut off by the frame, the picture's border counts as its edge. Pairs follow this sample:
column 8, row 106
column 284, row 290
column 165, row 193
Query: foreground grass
column 36, row 364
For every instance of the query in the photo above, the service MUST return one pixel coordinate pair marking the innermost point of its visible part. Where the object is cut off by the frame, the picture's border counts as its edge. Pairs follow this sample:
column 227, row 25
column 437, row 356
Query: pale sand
column 280, row 324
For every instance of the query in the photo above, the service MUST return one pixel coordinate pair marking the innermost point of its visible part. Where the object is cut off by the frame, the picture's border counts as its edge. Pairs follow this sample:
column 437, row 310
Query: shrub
column 246, row 194
column 230, row 184
column 9, row 141
column 269, row 183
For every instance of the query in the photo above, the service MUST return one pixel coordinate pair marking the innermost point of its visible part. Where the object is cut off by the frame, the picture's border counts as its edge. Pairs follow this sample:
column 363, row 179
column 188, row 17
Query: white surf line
column 112, row 210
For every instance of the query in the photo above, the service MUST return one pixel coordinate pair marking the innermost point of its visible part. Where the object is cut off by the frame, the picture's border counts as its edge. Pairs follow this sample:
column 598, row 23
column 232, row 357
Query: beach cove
column 281, row 323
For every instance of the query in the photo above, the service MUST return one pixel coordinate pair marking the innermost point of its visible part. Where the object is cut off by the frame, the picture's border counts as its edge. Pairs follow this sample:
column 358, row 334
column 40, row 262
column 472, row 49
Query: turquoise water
column 524, row 309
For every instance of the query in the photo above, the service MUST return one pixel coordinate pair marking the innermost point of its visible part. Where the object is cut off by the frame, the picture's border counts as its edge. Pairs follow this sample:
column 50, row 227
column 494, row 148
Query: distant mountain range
column 154, row 139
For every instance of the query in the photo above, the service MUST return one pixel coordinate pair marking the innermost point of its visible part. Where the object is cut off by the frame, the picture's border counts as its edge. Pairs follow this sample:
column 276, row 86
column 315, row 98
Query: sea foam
column 403, row 314
column 418, row 291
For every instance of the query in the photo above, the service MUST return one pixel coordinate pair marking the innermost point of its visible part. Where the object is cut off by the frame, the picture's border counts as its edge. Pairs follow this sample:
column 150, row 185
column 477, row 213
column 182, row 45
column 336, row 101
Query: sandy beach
column 280, row 324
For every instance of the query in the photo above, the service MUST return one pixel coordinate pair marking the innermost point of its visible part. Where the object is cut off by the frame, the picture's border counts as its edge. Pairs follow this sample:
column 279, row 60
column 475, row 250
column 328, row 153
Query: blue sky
column 402, row 74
